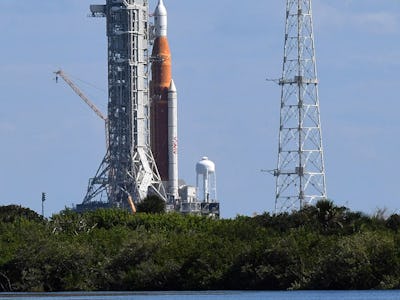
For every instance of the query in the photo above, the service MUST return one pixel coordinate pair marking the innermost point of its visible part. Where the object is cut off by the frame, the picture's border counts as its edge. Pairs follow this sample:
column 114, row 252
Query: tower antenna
column 300, row 172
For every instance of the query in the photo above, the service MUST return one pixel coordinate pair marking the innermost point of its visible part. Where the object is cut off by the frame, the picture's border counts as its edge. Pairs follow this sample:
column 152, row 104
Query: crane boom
column 80, row 93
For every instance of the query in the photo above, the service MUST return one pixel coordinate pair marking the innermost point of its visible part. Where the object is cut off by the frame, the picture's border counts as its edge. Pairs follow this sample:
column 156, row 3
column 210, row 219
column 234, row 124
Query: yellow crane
column 76, row 89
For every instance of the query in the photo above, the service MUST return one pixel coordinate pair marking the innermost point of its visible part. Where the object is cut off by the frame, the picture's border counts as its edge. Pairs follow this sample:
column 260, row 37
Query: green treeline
column 319, row 247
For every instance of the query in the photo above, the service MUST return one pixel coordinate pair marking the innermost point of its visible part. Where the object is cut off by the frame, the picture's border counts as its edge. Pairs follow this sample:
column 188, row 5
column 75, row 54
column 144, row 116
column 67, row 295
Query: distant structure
column 201, row 199
column 300, row 172
column 206, row 181
column 128, row 172
column 142, row 118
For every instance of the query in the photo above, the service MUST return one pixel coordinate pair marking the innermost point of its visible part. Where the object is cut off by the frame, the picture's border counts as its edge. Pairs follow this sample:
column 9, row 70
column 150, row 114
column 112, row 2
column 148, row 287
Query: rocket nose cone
column 172, row 87
column 160, row 19
column 160, row 9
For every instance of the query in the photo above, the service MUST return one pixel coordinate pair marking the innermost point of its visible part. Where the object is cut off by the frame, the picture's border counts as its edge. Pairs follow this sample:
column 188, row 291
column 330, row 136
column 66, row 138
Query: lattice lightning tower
column 300, row 173
column 128, row 171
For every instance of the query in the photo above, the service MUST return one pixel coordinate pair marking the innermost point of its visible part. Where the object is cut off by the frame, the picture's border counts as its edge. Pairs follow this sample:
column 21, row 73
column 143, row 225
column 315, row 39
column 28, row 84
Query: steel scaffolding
column 128, row 170
column 300, row 172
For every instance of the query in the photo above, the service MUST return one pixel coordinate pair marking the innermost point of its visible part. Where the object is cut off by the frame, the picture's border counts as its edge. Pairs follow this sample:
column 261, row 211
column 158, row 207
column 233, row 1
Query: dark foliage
column 393, row 222
column 152, row 205
column 319, row 247
column 12, row 213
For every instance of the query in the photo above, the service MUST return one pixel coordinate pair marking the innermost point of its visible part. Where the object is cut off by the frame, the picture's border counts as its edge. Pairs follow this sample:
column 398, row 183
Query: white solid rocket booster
column 173, row 140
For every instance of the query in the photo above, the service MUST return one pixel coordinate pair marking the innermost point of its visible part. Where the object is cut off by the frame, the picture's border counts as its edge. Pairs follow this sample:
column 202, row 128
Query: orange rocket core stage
column 161, row 66
column 160, row 82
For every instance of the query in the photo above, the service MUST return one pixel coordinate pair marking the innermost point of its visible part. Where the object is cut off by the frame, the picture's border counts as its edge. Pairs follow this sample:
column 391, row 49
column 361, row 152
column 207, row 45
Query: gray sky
column 222, row 53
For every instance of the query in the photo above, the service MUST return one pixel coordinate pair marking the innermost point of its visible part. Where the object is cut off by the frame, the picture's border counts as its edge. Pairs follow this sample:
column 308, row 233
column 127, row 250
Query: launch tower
column 128, row 172
column 300, row 172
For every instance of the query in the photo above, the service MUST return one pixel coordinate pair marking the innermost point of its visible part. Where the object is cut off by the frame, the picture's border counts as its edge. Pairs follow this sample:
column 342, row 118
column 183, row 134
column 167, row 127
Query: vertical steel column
column 300, row 172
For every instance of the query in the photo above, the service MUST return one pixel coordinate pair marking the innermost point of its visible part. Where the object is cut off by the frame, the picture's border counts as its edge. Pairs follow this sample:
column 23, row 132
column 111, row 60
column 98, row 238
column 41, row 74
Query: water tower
column 206, row 182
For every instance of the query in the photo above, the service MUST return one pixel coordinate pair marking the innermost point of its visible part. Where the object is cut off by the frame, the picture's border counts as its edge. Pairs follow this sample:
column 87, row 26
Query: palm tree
column 330, row 215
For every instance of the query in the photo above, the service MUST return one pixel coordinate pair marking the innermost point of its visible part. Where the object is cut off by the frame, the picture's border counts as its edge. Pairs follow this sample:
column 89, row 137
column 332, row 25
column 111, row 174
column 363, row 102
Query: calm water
column 306, row 295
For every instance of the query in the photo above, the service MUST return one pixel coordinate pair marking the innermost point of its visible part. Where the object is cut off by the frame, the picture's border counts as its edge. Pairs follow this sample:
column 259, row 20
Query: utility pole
column 300, row 172
column 43, row 199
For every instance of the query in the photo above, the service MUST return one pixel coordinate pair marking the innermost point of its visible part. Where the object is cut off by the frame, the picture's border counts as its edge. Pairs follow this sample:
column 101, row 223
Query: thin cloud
column 340, row 17
column 379, row 23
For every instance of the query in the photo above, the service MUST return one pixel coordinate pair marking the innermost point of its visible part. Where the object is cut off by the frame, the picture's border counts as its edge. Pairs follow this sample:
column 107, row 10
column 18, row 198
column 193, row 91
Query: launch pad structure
column 128, row 172
column 142, row 117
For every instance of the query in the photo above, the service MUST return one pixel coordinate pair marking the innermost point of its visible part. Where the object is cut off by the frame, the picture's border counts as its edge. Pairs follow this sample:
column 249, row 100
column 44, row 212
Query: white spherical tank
column 205, row 166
